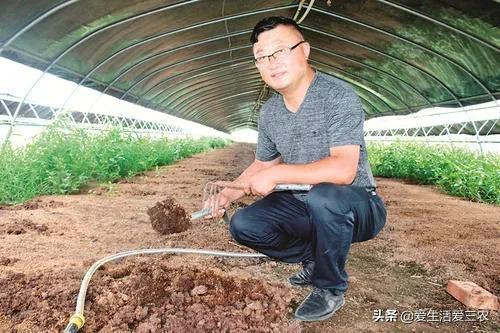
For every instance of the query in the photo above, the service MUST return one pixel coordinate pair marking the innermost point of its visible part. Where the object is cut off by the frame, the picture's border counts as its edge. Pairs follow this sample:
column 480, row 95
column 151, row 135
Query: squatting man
column 309, row 132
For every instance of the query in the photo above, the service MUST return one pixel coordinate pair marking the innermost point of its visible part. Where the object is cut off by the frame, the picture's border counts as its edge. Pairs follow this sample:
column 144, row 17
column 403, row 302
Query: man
column 309, row 133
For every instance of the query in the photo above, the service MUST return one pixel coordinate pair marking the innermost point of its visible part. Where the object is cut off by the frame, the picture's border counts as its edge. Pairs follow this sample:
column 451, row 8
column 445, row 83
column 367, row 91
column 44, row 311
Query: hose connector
column 75, row 323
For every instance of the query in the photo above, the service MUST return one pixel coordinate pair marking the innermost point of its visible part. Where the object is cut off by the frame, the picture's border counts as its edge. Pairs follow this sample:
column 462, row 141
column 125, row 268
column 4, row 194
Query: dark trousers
column 321, row 229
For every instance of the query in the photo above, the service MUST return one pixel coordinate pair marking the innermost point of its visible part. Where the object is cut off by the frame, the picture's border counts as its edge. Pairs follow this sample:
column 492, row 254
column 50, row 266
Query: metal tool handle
column 281, row 187
column 292, row 187
column 200, row 214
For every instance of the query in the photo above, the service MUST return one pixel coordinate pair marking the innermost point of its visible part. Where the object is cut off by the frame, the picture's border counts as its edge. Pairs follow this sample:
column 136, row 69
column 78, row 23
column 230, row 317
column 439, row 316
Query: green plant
column 63, row 158
column 457, row 171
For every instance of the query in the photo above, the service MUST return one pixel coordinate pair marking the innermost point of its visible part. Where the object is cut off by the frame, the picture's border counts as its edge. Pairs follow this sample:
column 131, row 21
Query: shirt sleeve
column 266, row 148
column 345, row 119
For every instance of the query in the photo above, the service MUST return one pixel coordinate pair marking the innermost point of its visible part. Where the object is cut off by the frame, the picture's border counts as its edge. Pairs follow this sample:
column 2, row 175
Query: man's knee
column 328, row 195
column 239, row 225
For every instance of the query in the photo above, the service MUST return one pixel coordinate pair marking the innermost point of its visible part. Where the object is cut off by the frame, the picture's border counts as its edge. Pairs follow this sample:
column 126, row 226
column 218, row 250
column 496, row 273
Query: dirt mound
column 20, row 226
column 168, row 217
column 34, row 204
column 149, row 296
column 429, row 239
column 4, row 261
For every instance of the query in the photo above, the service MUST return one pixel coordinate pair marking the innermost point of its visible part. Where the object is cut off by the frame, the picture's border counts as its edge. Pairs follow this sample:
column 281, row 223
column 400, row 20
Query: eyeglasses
column 279, row 54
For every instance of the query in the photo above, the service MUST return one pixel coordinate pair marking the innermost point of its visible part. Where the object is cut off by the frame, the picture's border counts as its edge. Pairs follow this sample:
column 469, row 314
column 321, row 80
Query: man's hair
column 269, row 23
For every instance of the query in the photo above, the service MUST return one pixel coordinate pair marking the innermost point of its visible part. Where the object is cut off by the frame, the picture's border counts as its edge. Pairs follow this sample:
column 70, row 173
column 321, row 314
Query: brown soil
column 430, row 238
column 168, row 217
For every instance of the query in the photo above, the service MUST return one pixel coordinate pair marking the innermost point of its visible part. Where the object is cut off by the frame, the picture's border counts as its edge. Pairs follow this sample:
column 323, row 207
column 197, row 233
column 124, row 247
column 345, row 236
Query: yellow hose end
column 78, row 320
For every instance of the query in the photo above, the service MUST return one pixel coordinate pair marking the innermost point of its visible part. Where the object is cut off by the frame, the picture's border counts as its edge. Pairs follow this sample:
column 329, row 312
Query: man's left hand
column 262, row 183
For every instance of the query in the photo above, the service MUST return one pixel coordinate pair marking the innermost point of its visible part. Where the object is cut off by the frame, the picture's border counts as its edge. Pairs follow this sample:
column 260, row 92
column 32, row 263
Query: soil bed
column 47, row 245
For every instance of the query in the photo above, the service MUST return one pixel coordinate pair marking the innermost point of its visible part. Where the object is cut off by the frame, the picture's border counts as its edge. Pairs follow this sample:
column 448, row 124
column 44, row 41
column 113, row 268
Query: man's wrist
column 232, row 194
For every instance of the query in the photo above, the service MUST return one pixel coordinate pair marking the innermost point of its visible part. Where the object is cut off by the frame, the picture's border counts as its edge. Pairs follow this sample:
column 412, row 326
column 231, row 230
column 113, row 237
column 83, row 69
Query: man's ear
column 306, row 47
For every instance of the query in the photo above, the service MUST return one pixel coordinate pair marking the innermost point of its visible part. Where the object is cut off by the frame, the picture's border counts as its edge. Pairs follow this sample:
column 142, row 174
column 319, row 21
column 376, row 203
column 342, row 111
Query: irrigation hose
column 77, row 320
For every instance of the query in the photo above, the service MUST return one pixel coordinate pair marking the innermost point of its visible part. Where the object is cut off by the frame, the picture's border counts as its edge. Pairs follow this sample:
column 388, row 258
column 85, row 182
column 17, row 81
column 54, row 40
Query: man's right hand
column 220, row 202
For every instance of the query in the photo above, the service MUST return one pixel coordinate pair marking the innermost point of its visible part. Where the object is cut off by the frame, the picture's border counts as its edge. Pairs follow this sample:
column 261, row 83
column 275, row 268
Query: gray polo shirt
column 331, row 115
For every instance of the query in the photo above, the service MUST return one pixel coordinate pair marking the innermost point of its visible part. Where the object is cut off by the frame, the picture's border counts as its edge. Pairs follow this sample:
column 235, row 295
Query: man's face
column 287, row 71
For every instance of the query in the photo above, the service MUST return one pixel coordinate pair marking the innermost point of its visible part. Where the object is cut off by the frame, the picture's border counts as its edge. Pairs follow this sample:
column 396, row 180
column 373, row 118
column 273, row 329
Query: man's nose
column 273, row 63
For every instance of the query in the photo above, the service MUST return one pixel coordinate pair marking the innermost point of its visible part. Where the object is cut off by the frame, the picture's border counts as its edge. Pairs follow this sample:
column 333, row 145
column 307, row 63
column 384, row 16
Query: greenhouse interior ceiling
column 193, row 59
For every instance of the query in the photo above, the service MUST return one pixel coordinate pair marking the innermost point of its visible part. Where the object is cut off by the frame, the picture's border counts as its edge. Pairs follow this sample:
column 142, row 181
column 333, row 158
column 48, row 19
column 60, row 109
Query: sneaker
column 303, row 277
column 321, row 304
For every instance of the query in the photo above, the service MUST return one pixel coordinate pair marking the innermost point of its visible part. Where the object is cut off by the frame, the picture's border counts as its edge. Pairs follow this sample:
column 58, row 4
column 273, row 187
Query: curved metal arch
column 198, row 102
column 366, row 101
column 422, row 47
column 325, row 51
column 362, row 88
column 187, row 94
column 346, row 58
column 242, row 75
column 198, row 114
column 228, row 119
column 244, row 71
column 335, row 54
column 182, row 62
column 203, row 96
column 373, row 50
column 361, row 78
column 390, row 93
column 441, row 23
column 223, row 106
column 156, row 55
column 31, row 24
column 197, row 105
column 78, row 42
column 238, row 33
column 194, row 26
column 197, row 75
column 405, row 40
column 384, row 54
column 115, row 24
column 243, row 114
column 210, row 99
column 247, row 103
column 229, row 68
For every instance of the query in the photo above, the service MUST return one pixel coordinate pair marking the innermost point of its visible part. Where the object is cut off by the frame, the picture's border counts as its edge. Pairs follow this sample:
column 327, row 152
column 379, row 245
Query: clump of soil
column 37, row 203
column 4, row 261
column 168, row 217
column 21, row 226
column 149, row 296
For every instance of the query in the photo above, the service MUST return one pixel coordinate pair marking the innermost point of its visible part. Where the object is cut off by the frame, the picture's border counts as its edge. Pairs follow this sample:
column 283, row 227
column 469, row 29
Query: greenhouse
column 249, row 166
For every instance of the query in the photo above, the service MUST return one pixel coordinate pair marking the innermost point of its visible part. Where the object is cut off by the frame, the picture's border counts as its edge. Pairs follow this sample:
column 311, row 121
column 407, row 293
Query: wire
column 306, row 12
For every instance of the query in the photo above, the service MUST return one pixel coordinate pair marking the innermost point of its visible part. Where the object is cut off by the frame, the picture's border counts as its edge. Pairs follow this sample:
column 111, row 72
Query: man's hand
column 220, row 202
column 262, row 183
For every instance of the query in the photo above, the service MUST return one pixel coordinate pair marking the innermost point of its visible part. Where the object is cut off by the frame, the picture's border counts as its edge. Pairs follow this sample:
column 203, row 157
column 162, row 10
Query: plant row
column 457, row 171
column 62, row 160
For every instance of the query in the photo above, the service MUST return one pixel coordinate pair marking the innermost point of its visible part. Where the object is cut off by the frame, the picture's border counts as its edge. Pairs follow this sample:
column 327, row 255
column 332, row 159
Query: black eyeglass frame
column 291, row 48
